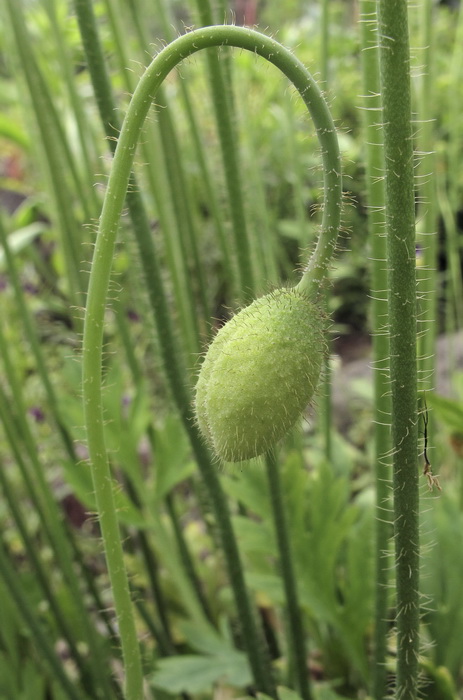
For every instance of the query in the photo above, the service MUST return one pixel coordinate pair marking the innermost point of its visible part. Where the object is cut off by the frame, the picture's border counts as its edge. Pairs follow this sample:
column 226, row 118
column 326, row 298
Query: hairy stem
column 379, row 314
column 400, row 226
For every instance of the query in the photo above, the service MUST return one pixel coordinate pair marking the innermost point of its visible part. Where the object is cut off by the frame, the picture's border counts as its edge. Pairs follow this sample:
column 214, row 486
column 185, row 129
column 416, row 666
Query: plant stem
column 298, row 646
column 400, row 226
column 223, row 108
column 326, row 402
column 379, row 313
column 427, row 192
column 118, row 182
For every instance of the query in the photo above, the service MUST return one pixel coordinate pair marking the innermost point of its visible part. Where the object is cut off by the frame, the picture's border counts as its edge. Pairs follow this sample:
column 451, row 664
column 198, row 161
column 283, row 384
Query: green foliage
column 219, row 663
column 332, row 542
column 442, row 527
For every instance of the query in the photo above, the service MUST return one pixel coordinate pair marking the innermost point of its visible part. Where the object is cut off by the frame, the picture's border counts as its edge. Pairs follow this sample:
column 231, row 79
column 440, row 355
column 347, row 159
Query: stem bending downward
column 118, row 182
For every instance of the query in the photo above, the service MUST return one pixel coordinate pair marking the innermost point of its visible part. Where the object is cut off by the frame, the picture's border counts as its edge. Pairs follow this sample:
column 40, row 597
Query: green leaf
column 197, row 674
column 204, row 638
column 448, row 411
column 13, row 131
column 250, row 488
column 21, row 238
column 80, row 478
column 270, row 584
column 288, row 694
column 323, row 691
column 172, row 456
column 255, row 537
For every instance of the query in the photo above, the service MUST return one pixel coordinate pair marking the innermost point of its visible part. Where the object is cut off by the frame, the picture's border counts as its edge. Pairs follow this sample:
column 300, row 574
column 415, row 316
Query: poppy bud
column 259, row 374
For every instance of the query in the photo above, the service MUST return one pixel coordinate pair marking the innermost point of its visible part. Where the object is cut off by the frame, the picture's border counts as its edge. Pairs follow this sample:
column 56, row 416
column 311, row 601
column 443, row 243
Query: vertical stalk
column 428, row 204
column 296, row 628
column 448, row 184
column 400, row 226
column 222, row 101
column 326, row 405
column 325, row 43
column 230, row 271
column 379, row 313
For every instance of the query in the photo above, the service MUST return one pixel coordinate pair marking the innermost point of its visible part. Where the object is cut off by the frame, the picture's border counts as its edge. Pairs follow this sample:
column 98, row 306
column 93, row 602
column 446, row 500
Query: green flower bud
column 259, row 374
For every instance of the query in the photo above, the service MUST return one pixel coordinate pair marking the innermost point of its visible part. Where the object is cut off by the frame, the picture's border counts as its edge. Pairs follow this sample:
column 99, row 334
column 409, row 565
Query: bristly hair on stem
column 400, row 229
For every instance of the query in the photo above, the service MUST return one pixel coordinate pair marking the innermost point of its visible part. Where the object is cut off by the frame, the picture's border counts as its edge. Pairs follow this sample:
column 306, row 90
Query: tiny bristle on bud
column 259, row 374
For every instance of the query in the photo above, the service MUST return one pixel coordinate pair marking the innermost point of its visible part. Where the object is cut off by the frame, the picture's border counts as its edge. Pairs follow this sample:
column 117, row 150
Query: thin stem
column 230, row 273
column 373, row 137
column 325, row 42
column 427, row 193
column 400, row 226
column 222, row 98
column 296, row 627
column 326, row 402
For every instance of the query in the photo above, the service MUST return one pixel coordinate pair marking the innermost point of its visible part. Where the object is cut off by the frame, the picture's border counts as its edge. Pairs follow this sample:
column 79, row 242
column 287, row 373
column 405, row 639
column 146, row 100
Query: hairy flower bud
column 259, row 374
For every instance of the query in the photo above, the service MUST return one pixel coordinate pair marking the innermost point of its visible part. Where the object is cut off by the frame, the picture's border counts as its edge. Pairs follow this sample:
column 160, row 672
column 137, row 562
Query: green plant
column 264, row 577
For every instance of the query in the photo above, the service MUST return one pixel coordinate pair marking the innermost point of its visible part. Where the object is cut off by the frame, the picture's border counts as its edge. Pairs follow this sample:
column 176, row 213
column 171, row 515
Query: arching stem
column 118, row 182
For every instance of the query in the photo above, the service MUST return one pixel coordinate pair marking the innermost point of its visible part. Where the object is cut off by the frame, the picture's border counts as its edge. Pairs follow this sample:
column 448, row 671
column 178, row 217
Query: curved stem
column 118, row 182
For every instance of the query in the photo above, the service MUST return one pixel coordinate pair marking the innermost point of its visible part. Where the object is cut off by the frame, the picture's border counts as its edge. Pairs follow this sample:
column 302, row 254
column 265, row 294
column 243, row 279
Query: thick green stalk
column 139, row 218
column 400, row 226
column 373, row 139
column 296, row 627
